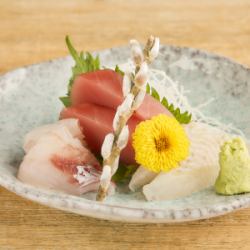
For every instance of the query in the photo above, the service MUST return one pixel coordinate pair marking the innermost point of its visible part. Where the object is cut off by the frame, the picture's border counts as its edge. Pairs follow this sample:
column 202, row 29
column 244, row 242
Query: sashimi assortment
column 114, row 128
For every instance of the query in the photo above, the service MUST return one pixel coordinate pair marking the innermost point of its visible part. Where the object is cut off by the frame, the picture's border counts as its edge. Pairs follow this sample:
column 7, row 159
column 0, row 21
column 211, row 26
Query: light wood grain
column 32, row 31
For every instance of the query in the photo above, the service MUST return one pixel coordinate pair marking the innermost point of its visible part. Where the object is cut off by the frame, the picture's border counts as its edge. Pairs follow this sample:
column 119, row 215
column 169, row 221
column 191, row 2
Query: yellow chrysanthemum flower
column 160, row 143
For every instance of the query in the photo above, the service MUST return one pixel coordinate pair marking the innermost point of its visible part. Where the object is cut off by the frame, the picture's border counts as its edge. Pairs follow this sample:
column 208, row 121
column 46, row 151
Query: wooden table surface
column 33, row 31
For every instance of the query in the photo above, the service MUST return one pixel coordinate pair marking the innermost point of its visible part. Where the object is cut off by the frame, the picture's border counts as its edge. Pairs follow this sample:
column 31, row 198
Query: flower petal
column 123, row 138
column 116, row 120
column 126, row 84
column 115, row 165
column 141, row 77
column 126, row 105
column 123, row 109
column 139, row 99
column 153, row 53
column 106, row 176
column 136, row 52
column 107, row 145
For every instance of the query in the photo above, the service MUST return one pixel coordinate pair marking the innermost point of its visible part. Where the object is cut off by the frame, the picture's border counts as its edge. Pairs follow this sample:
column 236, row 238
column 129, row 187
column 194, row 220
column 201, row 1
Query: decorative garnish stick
column 134, row 92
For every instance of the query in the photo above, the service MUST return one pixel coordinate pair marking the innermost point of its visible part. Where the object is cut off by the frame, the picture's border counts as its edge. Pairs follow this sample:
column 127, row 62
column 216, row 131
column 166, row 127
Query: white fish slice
column 180, row 183
column 141, row 177
column 66, row 129
column 53, row 154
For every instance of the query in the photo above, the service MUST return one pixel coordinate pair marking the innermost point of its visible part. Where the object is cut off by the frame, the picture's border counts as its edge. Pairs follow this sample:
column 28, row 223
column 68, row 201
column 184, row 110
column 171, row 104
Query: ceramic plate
column 28, row 98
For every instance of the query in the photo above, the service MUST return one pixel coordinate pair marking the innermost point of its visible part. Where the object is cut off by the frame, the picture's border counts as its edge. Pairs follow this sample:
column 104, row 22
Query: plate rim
column 84, row 206
column 196, row 51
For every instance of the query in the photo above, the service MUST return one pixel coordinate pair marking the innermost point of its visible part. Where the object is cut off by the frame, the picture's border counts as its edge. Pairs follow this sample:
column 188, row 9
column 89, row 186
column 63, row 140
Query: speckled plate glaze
column 28, row 98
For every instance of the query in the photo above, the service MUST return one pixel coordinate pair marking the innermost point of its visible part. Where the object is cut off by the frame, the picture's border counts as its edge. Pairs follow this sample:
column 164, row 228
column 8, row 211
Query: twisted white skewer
column 133, row 88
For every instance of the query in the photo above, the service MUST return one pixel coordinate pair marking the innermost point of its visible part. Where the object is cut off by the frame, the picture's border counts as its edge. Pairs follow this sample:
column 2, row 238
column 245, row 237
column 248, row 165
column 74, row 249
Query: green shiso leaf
column 155, row 94
column 65, row 100
column 84, row 62
column 183, row 118
column 124, row 173
column 164, row 102
column 148, row 88
column 118, row 70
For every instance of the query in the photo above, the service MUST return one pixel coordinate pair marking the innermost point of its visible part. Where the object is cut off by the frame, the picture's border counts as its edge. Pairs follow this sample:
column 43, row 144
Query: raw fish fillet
column 56, row 155
column 179, row 183
column 97, row 123
column 199, row 171
column 104, row 87
column 141, row 177
column 66, row 129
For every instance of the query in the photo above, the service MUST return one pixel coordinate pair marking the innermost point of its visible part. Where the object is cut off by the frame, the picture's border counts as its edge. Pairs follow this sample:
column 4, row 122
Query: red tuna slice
column 97, row 123
column 104, row 87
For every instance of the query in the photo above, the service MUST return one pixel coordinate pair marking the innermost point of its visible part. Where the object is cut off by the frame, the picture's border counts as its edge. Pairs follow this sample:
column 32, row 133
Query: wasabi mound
column 234, row 176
